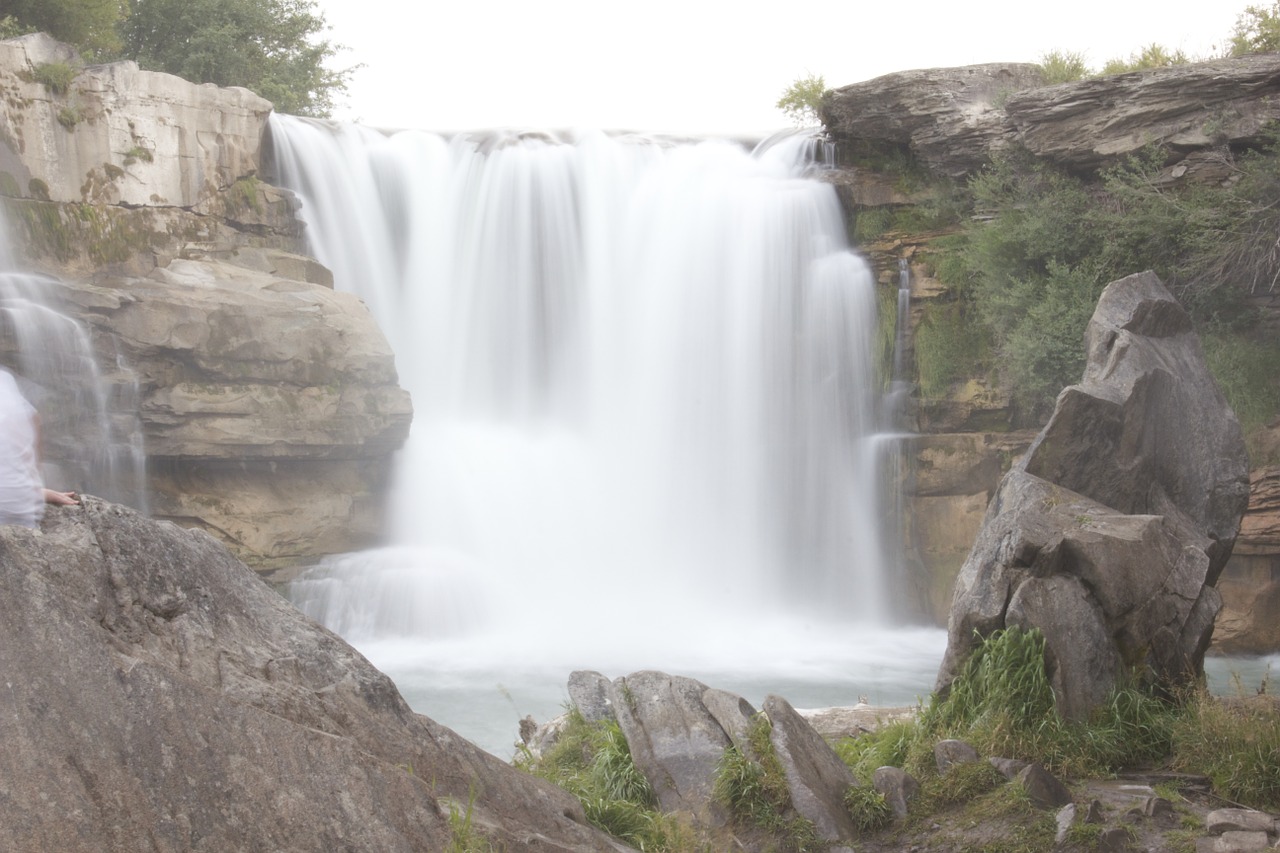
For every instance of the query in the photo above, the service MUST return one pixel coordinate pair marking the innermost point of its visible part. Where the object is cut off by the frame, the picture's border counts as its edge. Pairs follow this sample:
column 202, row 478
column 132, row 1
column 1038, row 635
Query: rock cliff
column 159, row 694
column 954, row 119
column 269, row 403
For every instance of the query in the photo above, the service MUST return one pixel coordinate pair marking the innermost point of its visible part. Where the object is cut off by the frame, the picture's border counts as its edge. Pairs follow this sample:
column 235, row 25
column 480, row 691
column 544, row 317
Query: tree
column 270, row 46
column 89, row 25
column 801, row 100
column 1257, row 31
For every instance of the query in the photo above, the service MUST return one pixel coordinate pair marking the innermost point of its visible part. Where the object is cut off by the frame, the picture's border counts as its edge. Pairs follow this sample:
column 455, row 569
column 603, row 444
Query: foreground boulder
column 159, row 695
column 678, row 729
column 1109, row 534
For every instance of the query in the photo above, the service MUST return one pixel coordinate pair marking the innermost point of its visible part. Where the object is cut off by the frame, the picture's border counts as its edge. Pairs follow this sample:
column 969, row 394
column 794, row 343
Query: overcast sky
column 693, row 66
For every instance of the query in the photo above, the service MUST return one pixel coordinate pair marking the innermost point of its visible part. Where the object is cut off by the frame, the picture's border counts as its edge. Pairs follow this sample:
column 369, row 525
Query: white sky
column 703, row 66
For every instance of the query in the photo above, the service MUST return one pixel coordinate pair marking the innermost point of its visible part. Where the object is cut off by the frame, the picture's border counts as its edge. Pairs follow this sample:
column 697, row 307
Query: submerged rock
column 1109, row 534
column 158, row 690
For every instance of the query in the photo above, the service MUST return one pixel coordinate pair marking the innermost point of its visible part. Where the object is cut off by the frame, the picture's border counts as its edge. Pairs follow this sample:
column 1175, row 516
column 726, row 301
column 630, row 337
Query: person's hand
column 61, row 498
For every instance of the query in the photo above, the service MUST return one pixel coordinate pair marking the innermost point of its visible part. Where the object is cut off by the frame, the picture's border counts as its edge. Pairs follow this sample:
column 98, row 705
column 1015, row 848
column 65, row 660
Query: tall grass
column 751, row 783
column 1002, row 704
column 1236, row 743
column 593, row 762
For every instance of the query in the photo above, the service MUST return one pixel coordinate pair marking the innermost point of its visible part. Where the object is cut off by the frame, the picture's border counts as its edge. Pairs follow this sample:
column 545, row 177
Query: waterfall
column 91, row 435
column 643, row 393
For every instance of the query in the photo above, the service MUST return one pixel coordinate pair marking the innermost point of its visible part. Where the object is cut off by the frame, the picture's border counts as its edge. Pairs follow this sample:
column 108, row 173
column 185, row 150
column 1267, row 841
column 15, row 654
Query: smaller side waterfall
column 91, row 435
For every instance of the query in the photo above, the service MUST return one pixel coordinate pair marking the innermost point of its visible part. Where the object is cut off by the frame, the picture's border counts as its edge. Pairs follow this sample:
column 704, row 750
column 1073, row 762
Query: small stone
column 949, row 752
column 1009, row 767
column 1066, row 817
column 1236, row 841
column 1042, row 787
column 1113, row 840
column 1094, row 813
column 898, row 787
column 1219, row 821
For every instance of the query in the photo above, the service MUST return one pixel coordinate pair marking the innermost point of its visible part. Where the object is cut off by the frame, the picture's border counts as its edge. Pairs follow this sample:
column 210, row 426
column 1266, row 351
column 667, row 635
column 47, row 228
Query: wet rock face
column 159, row 690
column 954, row 119
column 1109, row 534
column 269, row 404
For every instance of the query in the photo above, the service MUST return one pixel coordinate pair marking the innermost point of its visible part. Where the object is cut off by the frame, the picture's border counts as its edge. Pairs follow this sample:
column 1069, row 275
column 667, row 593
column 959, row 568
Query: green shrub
column 950, row 345
column 869, row 223
column 1245, row 368
column 1257, row 30
column 54, row 76
column 70, row 116
column 754, row 789
column 868, row 808
column 1062, row 66
column 1151, row 56
column 802, row 100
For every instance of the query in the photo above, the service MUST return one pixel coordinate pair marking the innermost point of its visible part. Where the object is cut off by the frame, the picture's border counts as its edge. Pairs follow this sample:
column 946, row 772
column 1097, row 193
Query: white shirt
column 21, row 488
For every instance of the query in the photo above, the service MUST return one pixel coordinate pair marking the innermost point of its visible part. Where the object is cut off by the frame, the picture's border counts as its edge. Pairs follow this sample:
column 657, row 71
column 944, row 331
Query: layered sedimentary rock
column 269, row 403
column 1109, row 534
column 954, row 119
column 160, row 694
column 1250, row 586
column 122, row 135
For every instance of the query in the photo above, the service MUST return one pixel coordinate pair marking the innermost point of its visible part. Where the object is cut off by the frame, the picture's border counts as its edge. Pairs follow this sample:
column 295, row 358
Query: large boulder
column 269, row 405
column 160, row 693
column 674, row 739
column 1109, row 534
column 954, row 119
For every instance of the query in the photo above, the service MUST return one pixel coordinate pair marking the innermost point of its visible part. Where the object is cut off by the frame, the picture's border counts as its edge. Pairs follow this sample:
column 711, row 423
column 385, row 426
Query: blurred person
column 22, row 494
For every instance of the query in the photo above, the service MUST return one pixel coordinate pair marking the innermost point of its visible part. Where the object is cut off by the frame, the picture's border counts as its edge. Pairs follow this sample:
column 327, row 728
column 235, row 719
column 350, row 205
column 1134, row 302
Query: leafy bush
column 54, row 76
column 868, row 808
column 1245, row 368
column 949, row 346
column 1062, row 66
column 1151, row 56
column 1257, row 30
column 802, row 100
column 1044, row 243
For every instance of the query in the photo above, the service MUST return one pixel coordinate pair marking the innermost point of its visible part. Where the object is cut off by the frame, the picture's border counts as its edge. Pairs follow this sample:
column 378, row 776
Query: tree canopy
column 90, row 25
column 1257, row 31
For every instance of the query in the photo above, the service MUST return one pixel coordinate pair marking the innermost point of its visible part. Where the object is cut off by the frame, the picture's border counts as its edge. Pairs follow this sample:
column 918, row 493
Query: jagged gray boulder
column 1109, row 534
column 674, row 740
column 159, row 694
column 816, row 777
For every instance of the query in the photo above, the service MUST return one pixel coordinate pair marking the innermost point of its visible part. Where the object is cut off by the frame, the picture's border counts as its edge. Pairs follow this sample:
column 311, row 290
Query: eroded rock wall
column 269, row 403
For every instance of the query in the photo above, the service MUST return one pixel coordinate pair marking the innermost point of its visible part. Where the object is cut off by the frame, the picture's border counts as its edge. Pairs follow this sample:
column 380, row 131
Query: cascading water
column 643, row 403
column 91, row 436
